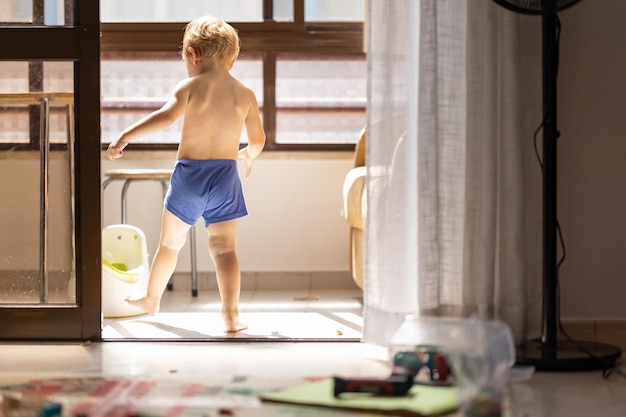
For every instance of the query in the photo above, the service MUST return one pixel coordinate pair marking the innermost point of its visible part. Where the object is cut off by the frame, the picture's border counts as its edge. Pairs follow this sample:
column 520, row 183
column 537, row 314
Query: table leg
column 123, row 202
column 44, row 139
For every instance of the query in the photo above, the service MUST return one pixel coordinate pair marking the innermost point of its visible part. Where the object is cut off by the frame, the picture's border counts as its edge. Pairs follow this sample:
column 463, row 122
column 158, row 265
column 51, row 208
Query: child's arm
column 256, row 136
column 155, row 121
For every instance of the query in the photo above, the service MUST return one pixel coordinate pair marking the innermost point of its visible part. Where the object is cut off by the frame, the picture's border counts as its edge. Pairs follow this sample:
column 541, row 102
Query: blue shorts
column 207, row 188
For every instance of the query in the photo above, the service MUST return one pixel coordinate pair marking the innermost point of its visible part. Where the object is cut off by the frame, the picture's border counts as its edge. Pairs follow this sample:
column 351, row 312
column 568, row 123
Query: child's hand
column 115, row 150
column 245, row 157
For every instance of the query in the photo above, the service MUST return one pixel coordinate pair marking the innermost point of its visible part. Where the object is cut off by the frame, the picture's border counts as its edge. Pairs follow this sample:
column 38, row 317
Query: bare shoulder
column 245, row 91
column 184, row 86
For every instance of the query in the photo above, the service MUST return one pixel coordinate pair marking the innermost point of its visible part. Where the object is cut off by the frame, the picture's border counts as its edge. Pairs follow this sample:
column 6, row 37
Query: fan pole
column 550, row 134
column 548, row 354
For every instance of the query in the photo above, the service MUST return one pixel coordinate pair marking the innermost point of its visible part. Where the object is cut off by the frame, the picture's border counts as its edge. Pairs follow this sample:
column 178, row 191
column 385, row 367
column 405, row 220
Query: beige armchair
column 354, row 209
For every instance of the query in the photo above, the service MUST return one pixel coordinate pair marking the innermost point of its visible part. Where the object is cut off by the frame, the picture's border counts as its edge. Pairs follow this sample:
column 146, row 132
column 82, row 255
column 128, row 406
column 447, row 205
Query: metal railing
column 44, row 100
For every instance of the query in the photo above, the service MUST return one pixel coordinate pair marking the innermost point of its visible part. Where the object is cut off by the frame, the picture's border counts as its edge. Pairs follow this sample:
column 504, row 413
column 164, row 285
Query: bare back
column 217, row 108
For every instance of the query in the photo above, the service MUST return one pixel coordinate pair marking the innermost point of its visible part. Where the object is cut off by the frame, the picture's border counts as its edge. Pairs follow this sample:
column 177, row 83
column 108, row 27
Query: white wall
column 294, row 201
column 592, row 159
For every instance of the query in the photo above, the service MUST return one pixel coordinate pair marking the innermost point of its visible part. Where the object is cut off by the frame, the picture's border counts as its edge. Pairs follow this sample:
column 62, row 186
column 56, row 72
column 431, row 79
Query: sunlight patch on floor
column 270, row 315
column 265, row 325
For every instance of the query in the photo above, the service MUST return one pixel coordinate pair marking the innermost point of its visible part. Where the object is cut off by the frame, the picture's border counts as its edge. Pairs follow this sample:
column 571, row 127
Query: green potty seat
column 121, row 272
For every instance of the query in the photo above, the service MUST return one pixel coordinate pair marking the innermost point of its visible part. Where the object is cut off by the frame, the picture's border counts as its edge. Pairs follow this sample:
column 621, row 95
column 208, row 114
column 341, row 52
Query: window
column 319, row 99
column 20, row 120
column 303, row 58
column 186, row 10
column 333, row 10
column 38, row 12
column 135, row 84
column 22, row 81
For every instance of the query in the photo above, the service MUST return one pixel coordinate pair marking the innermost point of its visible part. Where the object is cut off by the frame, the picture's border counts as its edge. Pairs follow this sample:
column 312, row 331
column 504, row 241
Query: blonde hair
column 211, row 37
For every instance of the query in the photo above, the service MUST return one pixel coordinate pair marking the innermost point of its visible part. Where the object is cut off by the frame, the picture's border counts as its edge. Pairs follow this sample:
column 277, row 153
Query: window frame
column 267, row 39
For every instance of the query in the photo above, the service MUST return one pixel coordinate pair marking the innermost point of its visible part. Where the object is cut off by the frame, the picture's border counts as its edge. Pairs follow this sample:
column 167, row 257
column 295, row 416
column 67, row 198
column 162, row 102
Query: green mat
column 422, row 401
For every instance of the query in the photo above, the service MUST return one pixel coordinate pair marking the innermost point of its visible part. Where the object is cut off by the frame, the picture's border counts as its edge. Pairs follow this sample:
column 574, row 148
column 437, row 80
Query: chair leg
column 194, row 273
column 164, row 183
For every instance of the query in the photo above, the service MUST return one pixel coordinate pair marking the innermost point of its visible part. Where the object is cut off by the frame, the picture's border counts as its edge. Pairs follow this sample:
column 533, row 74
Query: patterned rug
column 104, row 397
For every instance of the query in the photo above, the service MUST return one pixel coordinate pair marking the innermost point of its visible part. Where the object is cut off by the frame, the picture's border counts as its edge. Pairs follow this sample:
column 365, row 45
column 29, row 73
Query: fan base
column 567, row 356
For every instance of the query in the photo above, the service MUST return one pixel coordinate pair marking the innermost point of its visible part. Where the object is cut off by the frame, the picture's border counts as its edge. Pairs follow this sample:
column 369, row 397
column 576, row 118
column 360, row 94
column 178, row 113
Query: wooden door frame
column 79, row 43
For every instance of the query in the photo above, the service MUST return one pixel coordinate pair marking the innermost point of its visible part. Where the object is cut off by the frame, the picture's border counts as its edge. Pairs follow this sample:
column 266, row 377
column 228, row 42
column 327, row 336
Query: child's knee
column 175, row 244
column 222, row 252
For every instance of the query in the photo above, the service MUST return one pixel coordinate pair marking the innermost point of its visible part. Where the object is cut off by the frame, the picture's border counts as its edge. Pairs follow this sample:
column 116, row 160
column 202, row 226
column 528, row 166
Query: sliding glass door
column 50, row 170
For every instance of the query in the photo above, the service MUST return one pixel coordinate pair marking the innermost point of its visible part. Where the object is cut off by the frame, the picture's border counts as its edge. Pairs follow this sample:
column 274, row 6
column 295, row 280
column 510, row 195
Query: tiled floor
column 270, row 315
column 577, row 394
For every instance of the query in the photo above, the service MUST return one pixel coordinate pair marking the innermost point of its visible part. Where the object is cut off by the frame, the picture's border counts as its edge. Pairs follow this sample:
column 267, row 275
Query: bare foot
column 232, row 323
column 144, row 304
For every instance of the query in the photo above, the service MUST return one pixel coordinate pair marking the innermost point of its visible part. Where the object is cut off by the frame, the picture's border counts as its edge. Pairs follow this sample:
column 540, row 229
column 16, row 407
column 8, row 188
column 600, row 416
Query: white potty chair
column 125, row 269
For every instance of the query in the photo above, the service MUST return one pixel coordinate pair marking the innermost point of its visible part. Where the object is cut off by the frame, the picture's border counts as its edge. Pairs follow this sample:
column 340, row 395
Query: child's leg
column 223, row 251
column 173, row 238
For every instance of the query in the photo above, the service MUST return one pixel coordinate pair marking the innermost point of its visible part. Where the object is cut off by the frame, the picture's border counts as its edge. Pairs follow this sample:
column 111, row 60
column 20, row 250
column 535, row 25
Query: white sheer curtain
column 454, row 185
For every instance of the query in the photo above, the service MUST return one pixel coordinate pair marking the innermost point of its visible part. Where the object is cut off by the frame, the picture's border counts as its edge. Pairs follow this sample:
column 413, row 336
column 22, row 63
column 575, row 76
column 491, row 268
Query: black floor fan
column 548, row 353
